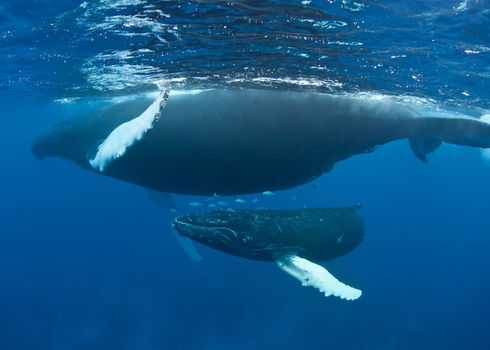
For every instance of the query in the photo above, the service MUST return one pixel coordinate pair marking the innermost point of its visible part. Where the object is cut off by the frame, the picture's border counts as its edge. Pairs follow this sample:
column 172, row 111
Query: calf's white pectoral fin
column 310, row 274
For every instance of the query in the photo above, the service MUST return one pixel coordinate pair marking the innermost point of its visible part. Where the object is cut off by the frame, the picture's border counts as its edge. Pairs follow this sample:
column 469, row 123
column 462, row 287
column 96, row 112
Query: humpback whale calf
column 239, row 141
column 291, row 238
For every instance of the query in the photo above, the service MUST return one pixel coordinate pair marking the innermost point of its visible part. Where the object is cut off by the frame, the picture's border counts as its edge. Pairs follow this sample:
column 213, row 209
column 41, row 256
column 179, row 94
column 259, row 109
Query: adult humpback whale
column 289, row 237
column 242, row 141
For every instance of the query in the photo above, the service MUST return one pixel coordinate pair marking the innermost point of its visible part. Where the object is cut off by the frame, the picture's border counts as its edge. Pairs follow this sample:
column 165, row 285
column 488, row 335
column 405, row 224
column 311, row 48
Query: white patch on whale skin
column 127, row 134
column 310, row 274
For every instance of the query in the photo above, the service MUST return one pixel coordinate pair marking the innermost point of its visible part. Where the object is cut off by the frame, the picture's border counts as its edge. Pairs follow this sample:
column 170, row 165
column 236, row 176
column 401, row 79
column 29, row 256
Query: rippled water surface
column 430, row 49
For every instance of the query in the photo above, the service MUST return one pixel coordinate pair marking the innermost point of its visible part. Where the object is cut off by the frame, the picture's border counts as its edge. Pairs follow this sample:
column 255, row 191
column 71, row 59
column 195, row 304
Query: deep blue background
column 87, row 262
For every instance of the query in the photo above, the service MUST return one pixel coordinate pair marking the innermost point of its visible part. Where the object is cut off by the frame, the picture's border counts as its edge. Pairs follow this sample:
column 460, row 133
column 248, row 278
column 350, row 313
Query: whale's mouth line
column 213, row 235
column 192, row 225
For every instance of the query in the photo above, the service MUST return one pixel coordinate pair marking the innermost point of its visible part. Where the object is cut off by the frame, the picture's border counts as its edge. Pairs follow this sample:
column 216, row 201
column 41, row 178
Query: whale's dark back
column 231, row 142
column 317, row 234
column 246, row 141
column 321, row 233
column 234, row 141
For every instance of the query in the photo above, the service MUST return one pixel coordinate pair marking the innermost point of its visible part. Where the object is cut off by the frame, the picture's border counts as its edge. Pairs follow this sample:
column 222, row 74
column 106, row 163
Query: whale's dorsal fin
column 310, row 274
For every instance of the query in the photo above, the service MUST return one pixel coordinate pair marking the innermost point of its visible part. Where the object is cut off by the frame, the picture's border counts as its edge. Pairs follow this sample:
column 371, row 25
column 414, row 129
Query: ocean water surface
column 88, row 262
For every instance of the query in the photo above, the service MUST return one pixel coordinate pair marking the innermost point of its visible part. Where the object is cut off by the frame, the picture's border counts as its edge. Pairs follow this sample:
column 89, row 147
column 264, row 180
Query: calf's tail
column 459, row 131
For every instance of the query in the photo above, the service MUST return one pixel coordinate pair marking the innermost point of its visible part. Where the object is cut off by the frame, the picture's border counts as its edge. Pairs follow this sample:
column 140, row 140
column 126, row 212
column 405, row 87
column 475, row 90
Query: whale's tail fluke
column 458, row 131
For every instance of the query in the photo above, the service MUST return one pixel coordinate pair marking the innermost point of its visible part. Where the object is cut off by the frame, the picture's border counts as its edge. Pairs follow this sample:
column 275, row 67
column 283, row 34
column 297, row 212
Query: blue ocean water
column 88, row 262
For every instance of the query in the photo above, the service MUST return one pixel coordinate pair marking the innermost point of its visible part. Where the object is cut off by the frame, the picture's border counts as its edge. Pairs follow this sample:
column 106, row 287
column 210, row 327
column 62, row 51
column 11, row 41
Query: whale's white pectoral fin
column 166, row 202
column 188, row 246
column 127, row 134
column 310, row 274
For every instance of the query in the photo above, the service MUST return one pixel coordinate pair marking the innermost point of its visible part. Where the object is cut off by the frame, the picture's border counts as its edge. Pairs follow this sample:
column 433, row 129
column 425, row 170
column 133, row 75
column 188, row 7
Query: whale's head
column 44, row 146
column 221, row 229
column 65, row 142
column 78, row 139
